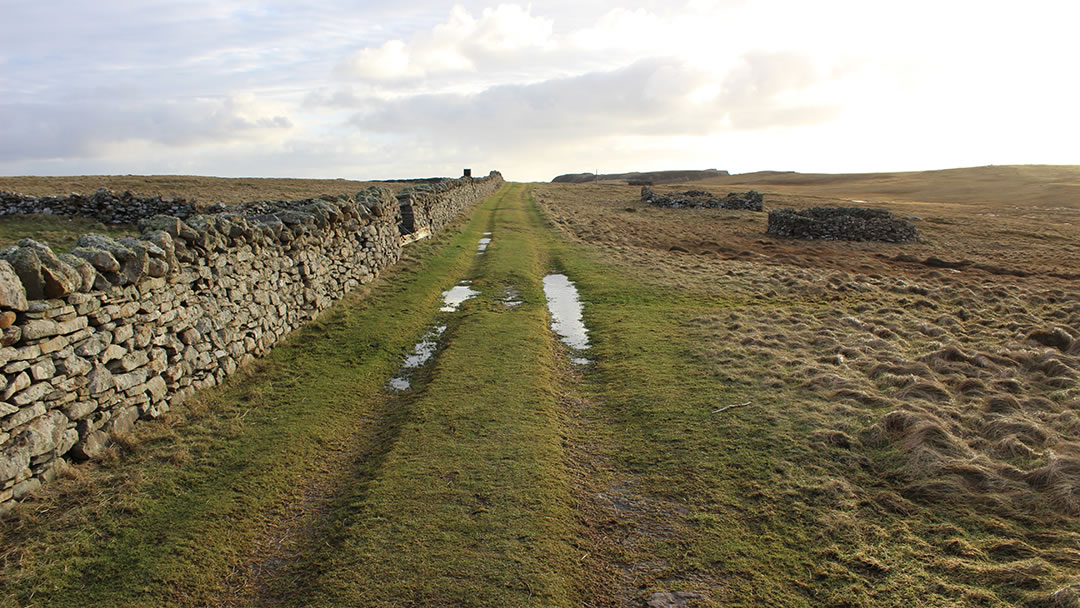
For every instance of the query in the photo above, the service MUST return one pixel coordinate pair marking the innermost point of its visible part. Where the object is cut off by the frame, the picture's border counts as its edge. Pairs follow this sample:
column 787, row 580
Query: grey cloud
column 42, row 130
column 650, row 97
column 630, row 97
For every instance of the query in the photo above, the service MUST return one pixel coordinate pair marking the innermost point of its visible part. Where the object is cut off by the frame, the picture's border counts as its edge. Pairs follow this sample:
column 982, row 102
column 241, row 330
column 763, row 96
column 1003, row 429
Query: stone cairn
column 119, row 330
column 842, row 224
column 103, row 205
column 751, row 201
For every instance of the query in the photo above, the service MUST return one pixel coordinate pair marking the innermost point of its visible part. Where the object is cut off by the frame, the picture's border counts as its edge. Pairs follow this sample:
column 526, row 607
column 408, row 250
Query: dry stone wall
column 122, row 329
column 842, row 224
column 433, row 205
column 103, row 205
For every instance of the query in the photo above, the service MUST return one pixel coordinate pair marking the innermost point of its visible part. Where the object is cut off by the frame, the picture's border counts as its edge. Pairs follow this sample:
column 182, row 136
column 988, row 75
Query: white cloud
column 463, row 44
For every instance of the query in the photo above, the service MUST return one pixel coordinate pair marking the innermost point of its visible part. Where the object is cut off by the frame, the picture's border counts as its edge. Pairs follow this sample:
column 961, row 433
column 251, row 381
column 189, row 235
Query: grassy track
column 471, row 507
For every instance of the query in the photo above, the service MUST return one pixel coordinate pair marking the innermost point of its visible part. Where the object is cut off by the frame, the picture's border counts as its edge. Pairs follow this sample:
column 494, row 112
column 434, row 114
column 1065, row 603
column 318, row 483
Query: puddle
column 562, row 301
column 400, row 383
column 511, row 297
column 457, row 294
column 422, row 353
column 425, row 348
column 483, row 244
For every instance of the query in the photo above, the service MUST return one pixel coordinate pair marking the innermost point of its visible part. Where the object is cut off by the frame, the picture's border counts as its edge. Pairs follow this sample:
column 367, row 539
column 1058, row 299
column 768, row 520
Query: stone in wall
column 751, row 201
column 842, row 224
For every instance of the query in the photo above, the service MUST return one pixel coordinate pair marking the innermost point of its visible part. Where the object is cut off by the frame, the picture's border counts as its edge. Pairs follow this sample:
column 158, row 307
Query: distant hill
column 647, row 177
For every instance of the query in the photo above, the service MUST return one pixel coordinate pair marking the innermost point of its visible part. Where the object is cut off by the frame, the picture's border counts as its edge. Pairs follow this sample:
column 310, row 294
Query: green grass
column 470, row 506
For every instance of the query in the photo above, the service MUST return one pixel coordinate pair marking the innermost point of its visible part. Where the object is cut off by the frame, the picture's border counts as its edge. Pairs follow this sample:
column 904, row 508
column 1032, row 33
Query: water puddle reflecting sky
column 457, row 294
column 425, row 349
column 422, row 353
column 511, row 297
column 565, row 308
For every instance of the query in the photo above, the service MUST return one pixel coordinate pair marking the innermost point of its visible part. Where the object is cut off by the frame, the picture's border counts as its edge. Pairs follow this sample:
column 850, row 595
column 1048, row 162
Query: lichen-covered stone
column 100, row 259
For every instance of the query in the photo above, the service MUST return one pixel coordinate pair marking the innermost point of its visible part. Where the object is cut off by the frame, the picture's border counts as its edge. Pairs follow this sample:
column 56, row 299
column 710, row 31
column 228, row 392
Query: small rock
column 45, row 433
column 21, row 382
column 24, row 488
column 100, row 380
column 43, row 370
column 34, row 393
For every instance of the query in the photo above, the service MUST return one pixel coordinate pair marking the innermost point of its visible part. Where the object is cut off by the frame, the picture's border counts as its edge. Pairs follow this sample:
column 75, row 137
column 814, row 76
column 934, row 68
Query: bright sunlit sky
column 386, row 88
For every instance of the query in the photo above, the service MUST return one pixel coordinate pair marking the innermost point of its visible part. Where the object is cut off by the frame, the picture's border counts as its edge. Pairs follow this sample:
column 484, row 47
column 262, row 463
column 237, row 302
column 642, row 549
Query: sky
column 384, row 89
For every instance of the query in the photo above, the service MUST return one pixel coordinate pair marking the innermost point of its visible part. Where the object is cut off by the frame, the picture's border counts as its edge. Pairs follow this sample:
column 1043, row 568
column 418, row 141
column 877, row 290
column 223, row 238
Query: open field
column 977, row 188
column 914, row 433
column 206, row 190
column 905, row 429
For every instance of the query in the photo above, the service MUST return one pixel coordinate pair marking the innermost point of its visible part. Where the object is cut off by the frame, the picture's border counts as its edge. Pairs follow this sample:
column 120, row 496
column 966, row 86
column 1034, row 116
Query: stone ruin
column 842, row 224
column 751, row 201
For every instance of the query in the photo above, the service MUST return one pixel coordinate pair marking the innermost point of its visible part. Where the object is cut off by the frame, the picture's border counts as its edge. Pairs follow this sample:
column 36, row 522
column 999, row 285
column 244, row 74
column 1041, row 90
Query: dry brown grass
column 203, row 189
column 1025, row 186
column 930, row 391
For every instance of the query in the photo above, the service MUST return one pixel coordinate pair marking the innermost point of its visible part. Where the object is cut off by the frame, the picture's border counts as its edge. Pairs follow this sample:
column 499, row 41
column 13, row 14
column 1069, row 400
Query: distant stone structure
column 842, row 224
column 105, row 206
column 751, row 201
column 119, row 330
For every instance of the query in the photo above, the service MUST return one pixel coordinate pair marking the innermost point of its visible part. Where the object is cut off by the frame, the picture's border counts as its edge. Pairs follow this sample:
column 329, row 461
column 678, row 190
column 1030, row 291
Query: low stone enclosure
column 122, row 329
column 842, row 224
column 751, row 201
column 826, row 223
